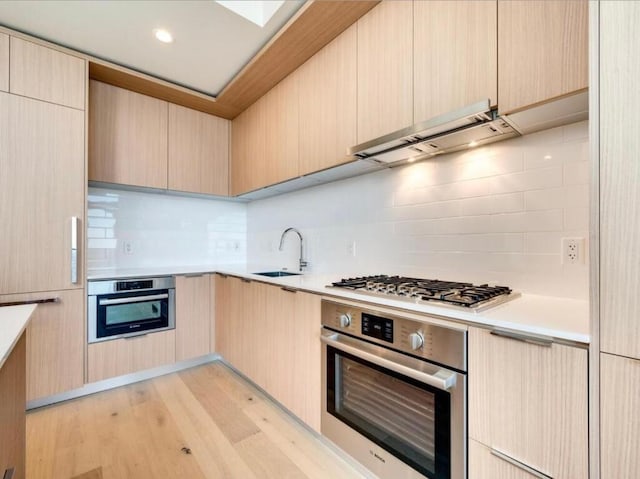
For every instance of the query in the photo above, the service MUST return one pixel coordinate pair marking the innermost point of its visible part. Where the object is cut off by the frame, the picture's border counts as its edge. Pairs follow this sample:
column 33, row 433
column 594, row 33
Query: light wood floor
column 205, row 422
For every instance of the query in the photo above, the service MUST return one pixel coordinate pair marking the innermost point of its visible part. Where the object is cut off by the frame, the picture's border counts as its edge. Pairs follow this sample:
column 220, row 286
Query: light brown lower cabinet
column 12, row 412
column 56, row 339
column 529, row 402
column 619, row 417
column 113, row 358
column 193, row 322
column 272, row 335
column 483, row 464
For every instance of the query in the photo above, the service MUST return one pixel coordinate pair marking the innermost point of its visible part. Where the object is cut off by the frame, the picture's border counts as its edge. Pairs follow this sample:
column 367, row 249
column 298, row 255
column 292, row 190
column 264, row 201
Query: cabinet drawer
column 483, row 465
column 129, row 355
column 530, row 402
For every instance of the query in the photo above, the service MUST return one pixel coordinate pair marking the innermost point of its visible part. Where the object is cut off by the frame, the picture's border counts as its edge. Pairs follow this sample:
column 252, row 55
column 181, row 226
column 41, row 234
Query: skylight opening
column 258, row 12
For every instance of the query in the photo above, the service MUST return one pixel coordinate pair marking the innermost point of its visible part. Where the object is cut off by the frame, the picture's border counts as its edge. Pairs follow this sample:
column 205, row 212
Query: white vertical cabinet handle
column 74, row 249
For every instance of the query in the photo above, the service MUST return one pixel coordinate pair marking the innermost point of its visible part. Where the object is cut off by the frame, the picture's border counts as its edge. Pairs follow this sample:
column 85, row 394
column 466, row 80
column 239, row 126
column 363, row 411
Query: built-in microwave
column 129, row 307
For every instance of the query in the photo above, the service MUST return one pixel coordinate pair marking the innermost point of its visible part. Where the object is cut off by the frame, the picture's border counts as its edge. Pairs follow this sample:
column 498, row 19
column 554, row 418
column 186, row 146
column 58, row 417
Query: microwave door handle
column 443, row 379
column 132, row 299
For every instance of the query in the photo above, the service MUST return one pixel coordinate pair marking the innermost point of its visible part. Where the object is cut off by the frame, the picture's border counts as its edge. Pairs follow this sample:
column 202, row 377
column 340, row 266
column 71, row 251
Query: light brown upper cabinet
column 455, row 55
column 42, row 185
column 543, row 51
column 127, row 137
column 45, row 74
column 4, row 62
column 264, row 139
column 328, row 104
column 248, row 167
column 281, row 131
column 528, row 402
column 192, row 316
column 198, row 152
column 385, row 69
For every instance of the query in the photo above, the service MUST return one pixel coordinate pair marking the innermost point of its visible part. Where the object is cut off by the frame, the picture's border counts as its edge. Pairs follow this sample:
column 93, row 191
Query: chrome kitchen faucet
column 303, row 263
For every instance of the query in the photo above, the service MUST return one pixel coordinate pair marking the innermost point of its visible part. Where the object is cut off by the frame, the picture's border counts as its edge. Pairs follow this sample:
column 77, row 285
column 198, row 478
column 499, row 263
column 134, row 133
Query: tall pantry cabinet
column 619, row 265
column 42, row 204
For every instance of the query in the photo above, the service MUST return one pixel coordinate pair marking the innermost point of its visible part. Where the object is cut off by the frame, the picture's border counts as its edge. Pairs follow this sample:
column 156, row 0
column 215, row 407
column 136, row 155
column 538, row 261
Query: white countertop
column 560, row 318
column 13, row 322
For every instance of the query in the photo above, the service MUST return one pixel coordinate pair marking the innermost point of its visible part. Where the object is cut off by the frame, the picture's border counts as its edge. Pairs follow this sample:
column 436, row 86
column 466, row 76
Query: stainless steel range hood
column 471, row 126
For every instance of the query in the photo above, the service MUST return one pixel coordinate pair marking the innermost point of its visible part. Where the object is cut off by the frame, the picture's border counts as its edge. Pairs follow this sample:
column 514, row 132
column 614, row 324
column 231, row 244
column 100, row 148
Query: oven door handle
column 132, row 299
column 442, row 379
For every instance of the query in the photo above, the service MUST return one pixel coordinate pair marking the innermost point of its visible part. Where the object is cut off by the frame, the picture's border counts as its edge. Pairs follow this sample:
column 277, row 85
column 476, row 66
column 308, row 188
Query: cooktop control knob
column 345, row 320
column 416, row 341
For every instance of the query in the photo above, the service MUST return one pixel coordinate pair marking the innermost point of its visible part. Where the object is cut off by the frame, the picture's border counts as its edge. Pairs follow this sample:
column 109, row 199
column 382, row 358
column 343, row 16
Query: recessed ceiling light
column 163, row 35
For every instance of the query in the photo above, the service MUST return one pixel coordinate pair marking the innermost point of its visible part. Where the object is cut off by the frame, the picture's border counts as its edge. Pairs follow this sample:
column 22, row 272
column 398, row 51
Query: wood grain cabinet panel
column 619, row 178
column 455, row 55
column 42, row 185
column 272, row 336
column 55, row 342
column 281, row 132
column 328, row 104
column 198, row 152
column 248, row 139
column 385, row 69
column 12, row 411
column 530, row 402
column 192, row 316
column 619, row 416
column 4, row 62
column 127, row 137
column 484, row 465
column 45, row 74
column 543, row 51
column 113, row 358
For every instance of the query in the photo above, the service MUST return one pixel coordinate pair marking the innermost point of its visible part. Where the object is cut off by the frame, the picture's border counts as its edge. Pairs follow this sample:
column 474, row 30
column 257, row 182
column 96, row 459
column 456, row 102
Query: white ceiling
column 211, row 43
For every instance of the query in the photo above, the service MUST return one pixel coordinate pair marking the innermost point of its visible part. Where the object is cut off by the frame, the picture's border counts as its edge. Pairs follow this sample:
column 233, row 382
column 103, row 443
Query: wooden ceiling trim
column 311, row 28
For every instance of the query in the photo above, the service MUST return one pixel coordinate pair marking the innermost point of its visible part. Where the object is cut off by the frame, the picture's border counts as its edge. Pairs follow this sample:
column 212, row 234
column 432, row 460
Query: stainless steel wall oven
column 131, row 307
column 395, row 392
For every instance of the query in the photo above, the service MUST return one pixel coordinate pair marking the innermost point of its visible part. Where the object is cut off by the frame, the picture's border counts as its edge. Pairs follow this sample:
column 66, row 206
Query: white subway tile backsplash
column 526, row 180
column 495, row 213
column 163, row 230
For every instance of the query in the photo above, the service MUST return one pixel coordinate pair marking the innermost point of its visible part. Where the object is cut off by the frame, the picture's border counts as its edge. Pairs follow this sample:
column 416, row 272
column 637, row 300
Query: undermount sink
column 277, row 274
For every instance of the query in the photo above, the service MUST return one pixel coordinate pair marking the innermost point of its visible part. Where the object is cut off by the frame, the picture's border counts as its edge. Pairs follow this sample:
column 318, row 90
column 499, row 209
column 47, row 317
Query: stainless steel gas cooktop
column 418, row 290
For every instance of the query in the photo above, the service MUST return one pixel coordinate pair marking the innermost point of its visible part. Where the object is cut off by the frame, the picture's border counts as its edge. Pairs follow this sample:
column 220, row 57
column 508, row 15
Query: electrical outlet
column 351, row 248
column 127, row 247
column 572, row 250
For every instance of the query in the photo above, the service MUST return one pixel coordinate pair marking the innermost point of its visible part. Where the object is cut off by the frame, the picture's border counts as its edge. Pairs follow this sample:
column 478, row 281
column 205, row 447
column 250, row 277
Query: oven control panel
column 418, row 338
column 377, row 327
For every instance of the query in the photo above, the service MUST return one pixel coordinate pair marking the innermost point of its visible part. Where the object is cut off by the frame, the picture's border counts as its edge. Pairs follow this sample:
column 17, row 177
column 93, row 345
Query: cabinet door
column 619, row 416
column 455, row 55
column 248, row 165
column 385, row 69
column 328, row 104
column 530, row 402
column 198, row 152
column 192, row 316
column 543, row 51
column 12, row 414
column 55, row 342
column 46, row 74
column 4, row 62
column 281, row 132
column 619, row 178
column 127, row 137
column 485, row 465
column 42, row 185
column 291, row 352
column 130, row 355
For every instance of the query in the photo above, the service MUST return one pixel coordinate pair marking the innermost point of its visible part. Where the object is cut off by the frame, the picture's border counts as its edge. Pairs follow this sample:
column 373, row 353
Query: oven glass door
column 408, row 418
column 132, row 312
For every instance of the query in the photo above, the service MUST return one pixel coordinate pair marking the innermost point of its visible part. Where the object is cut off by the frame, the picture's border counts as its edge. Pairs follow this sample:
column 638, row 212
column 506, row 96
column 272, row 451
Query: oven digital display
column 377, row 327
